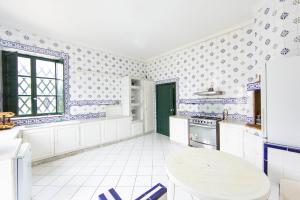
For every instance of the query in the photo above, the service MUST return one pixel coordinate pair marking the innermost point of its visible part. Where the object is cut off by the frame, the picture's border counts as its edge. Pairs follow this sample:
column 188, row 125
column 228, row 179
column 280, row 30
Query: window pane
column 46, row 104
column 45, row 69
column 60, row 88
column 24, row 66
column 45, row 86
column 60, row 104
column 24, row 85
column 59, row 71
column 24, row 105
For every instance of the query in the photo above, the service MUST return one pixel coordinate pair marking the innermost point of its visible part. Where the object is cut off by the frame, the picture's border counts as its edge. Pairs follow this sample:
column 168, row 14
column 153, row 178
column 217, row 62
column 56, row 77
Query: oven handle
column 204, row 143
column 204, row 126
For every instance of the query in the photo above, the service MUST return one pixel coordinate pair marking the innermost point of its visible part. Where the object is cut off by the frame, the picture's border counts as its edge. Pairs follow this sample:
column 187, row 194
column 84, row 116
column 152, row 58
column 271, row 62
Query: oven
column 204, row 134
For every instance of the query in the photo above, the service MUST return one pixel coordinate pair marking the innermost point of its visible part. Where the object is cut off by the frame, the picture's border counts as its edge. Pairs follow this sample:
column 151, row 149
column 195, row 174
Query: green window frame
column 32, row 85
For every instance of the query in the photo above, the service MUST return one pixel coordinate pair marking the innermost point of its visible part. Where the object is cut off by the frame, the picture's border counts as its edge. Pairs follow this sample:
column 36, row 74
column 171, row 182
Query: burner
column 204, row 120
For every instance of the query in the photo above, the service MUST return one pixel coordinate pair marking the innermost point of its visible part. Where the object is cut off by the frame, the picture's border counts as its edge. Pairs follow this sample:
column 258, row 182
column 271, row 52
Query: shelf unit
column 132, row 98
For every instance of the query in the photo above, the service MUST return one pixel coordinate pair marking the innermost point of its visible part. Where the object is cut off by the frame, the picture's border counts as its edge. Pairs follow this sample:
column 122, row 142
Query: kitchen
column 115, row 116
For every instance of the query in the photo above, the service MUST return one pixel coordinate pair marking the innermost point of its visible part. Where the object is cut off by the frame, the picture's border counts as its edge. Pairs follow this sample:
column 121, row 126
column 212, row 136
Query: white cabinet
column 242, row 141
column 148, row 92
column 110, row 131
column 41, row 141
column 137, row 128
column 90, row 133
column 123, row 128
column 179, row 130
column 66, row 139
column 253, row 148
column 231, row 139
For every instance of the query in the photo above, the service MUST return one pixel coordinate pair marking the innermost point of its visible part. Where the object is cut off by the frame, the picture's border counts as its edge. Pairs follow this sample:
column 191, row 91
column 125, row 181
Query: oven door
column 203, row 136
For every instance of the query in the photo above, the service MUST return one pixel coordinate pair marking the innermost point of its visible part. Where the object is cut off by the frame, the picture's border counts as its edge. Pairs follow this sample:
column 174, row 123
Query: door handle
column 171, row 110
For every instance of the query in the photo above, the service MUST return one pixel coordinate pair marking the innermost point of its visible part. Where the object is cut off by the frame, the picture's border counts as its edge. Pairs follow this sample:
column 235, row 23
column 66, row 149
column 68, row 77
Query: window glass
column 45, row 69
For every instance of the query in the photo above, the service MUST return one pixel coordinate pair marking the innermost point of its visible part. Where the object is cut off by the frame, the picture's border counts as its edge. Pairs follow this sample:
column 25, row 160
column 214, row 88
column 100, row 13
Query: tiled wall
column 231, row 61
column 94, row 75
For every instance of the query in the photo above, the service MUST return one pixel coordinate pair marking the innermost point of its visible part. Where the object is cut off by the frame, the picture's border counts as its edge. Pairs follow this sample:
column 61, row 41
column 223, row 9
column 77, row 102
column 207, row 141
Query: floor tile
column 84, row 193
column 36, row 189
column 93, row 181
column 110, row 181
column 142, row 181
column 126, row 181
column 46, row 180
column 77, row 181
column 144, row 170
column 125, row 192
column 61, row 180
column 47, row 193
column 65, row 193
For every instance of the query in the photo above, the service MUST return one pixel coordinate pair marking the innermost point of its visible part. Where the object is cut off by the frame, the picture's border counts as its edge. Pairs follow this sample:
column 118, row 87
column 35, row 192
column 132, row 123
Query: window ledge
column 35, row 117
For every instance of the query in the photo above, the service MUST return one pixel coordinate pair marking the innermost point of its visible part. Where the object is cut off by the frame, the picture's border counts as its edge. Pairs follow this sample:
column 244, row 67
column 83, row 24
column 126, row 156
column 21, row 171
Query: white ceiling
column 136, row 28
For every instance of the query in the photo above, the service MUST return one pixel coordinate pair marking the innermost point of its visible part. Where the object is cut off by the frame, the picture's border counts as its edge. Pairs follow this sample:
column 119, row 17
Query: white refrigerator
column 281, row 95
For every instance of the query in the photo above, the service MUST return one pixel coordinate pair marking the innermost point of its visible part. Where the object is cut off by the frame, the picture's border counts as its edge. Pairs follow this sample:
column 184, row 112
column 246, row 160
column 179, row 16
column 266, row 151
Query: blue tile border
column 94, row 102
column 235, row 116
column 241, row 100
column 253, row 86
column 268, row 145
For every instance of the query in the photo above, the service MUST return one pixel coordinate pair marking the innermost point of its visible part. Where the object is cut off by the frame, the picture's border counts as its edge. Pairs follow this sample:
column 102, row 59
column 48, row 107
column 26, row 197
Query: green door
column 165, row 106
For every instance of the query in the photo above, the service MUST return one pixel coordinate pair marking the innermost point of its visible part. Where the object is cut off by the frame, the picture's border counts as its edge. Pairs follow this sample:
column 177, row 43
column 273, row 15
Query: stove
column 203, row 132
column 204, row 120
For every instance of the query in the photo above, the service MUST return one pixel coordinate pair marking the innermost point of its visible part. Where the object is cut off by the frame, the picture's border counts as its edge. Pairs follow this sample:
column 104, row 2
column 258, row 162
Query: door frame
column 166, row 81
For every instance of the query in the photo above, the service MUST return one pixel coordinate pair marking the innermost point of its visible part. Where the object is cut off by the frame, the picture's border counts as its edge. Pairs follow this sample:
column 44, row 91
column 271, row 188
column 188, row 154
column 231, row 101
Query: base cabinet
column 243, row 142
column 123, row 128
column 59, row 139
column 66, row 139
column 137, row 128
column 179, row 130
column 90, row 134
column 231, row 139
column 41, row 141
column 110, row 131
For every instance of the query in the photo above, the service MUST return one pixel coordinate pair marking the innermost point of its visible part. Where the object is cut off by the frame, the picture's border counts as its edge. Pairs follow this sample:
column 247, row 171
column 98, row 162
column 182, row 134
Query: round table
column 214, row 175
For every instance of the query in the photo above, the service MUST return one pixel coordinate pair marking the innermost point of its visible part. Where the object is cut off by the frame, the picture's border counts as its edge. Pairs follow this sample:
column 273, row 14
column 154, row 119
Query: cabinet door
column 148, row 88
column 90, row 134
column 41, row 141
column 231, row 139
column 253, row 148
column 123, row 128
column 179, row 130
column 110, row 131
column 66, row 139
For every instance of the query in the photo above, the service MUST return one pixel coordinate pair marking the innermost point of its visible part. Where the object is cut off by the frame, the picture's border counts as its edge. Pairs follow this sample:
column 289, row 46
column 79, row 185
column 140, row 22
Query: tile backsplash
column 229, row 61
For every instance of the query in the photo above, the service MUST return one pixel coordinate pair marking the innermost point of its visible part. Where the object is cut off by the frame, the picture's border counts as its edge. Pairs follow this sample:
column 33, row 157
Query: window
column 32, row 85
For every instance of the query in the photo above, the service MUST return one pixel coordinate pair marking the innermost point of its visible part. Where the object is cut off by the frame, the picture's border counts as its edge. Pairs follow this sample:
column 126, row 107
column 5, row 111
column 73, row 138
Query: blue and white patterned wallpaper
column 231, row 61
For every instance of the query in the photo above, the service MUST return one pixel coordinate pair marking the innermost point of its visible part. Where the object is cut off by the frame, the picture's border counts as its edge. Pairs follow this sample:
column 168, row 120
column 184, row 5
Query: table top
column 216, row 175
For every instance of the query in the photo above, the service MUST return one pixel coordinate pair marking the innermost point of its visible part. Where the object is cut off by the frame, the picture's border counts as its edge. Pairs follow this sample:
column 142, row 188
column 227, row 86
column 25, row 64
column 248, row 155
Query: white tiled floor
column 131, row 167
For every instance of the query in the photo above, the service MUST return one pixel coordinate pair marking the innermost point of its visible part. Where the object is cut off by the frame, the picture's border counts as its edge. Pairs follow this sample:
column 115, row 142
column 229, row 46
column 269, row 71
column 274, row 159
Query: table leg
column 171, row 190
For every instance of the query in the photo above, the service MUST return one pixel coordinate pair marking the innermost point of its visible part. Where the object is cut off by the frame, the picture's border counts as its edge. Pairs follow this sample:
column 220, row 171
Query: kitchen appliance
column 24, row 172
column 203, row 132
column 282, row 100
